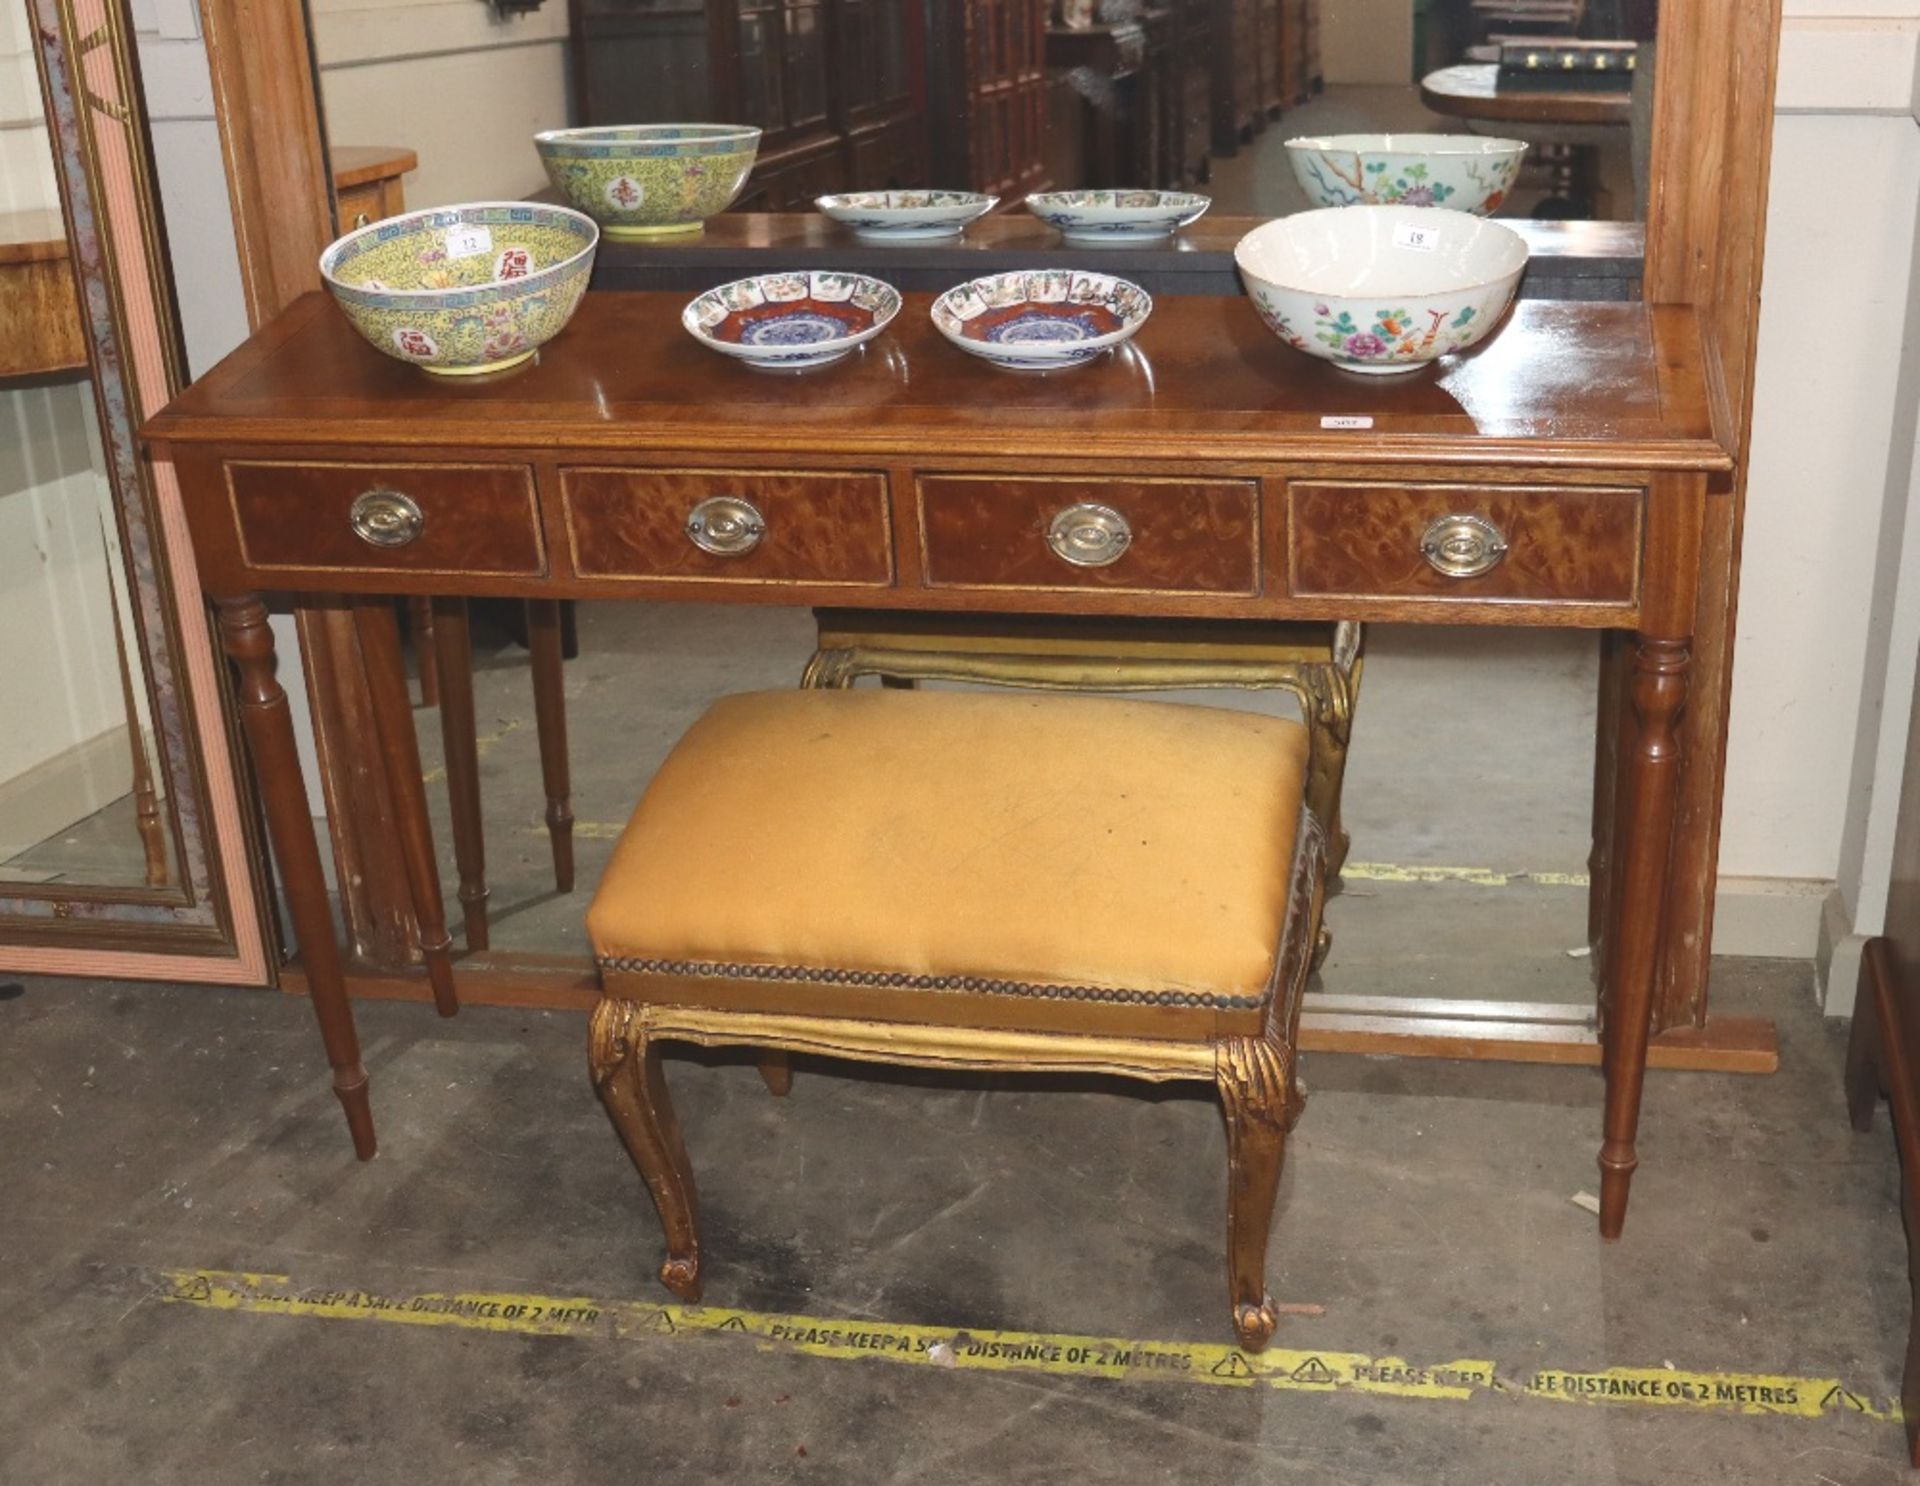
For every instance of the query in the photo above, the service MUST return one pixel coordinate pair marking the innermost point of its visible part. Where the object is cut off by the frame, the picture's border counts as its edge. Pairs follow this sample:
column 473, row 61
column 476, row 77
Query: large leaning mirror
column 119, row 823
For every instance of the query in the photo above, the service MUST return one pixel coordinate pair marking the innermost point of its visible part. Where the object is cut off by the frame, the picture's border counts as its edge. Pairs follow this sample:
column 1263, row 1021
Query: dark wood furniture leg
column 776, row 1068
column 1880, row 1060
column 283, row 797
column 544, row 644
column 420, row 627
column 452, row 656
column 625, row 1064
column 1657, row 691
column 393, row 720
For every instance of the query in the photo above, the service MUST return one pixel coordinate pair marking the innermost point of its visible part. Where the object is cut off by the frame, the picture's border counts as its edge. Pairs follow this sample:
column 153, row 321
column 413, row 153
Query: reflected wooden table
column 1582, row 120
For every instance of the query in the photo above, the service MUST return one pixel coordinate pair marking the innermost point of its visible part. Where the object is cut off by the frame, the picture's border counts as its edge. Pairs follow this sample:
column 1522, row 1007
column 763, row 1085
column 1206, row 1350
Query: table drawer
column 1161, row 536
column 729, row 526
column 1524, row 543
column 349, row 518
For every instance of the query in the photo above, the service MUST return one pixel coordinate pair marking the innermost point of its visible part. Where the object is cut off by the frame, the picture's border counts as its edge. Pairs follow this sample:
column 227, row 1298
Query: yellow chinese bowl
column 640, row 181
column 461, row 290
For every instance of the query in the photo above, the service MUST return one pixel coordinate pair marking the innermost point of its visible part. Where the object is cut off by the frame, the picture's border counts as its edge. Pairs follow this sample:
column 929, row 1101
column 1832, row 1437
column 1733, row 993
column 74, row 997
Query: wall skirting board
column 63, row 790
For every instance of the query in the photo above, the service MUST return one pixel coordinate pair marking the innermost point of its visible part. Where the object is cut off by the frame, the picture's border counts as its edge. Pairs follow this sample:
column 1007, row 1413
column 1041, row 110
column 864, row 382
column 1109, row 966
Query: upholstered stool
column 968, row 880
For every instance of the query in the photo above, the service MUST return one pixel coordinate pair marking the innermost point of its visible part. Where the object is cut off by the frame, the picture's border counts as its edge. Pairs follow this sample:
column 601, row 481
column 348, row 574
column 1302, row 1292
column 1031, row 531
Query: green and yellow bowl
column 460, row 290
column 641, row 181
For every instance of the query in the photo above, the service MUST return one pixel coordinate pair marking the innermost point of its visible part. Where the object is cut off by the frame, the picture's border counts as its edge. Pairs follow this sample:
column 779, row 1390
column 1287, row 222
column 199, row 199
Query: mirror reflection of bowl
column 1117, row 216
column 1039, row 319
column 1462, row 172
column 641, row 181
column 790, row 321
column 906, row 216
column 460, row 290
column 1381, row 288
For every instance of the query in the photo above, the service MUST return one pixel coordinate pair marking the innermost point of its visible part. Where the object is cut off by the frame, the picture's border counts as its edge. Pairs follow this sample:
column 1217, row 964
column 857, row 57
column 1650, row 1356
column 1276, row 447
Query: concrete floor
column 1425, row 1211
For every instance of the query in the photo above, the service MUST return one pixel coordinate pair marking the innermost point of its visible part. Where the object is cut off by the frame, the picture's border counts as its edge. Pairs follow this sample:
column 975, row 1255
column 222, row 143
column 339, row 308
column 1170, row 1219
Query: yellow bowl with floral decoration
column 641, row 181
column 461, row 290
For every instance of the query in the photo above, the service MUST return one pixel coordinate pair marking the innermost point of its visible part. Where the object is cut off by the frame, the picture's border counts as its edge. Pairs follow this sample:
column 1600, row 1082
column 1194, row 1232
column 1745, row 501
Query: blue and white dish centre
column 906, row 216
column 1117, row 216
column 791, row 321
column 1041, row 319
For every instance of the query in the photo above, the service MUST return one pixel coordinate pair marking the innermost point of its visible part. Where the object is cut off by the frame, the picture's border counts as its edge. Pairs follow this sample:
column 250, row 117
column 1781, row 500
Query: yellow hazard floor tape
column 1021, row 1351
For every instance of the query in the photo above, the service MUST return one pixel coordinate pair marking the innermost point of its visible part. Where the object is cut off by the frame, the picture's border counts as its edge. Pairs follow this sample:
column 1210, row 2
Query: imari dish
column 1038, row 319
column 906, row 216
column 641, row 181
column 788, row 321
column 1381, row 288
column 1464, row 172
column 460, row 290
column 1117, row 216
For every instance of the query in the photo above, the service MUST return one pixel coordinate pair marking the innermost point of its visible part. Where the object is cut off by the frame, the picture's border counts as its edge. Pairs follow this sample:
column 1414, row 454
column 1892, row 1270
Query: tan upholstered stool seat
column 958, row 880
column 962, row 858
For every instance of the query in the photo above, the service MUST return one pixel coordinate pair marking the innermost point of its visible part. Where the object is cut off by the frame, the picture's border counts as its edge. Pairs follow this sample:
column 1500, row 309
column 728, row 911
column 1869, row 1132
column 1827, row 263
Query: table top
column 1471, row 90
column 1203, row 382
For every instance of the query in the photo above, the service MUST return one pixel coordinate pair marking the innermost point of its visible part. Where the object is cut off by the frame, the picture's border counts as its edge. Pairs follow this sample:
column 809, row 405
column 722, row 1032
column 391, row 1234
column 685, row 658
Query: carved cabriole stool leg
column 544, row 645
column 283, row 798
column 400, row 750
column 626, row 1070
column 452, row 656
column 1257, row 1098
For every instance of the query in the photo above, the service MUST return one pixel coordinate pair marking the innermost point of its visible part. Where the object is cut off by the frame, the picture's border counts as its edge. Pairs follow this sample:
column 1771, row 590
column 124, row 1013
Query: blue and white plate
column 788, row 321
column 906, row 216
column 1039, row 319
column 1117, row 216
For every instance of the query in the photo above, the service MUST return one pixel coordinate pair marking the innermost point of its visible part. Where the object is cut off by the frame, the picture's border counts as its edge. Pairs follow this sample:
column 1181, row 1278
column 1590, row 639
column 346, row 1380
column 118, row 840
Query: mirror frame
column 205, row 925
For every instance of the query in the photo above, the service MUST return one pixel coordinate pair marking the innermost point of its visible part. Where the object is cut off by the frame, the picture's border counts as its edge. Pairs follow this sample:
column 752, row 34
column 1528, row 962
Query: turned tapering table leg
column 400, row 751
column 283, row 797
column 550, row 716
column 1656, row 689
column 420, row 627
column 452, row 654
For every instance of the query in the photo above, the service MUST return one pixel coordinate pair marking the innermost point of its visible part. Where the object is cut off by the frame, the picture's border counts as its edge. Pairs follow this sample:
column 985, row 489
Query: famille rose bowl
column 1039, row 319
column 1381, row 288
column 1462, row 172
column 641, row 181
column 906, row 216
column 460, row 290
column 1117, row 216
column 789, row 321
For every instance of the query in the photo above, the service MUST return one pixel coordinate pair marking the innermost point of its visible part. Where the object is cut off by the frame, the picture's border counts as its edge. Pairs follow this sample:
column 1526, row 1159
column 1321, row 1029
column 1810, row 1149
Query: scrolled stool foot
column 681, row 1274
column 1254, row 1324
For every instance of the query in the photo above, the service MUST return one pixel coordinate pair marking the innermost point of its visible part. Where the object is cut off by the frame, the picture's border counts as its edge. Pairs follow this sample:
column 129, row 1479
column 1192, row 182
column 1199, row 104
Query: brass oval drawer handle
column 386, row 518
column 726, row 525
column 1089, row 535
column 1463, row 546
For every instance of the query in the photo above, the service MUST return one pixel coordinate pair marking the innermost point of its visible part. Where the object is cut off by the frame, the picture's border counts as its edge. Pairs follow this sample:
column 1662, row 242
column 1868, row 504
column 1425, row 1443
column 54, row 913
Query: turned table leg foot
column 1657, row 692
column 268, row 725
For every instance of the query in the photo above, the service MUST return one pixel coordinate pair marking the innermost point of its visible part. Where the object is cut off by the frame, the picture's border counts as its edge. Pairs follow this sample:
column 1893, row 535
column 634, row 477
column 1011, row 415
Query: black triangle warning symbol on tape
column 1845, row 1399
column 1233, row 1365
column 733, row 1323
column 1313, row 1370
column 660, row 1321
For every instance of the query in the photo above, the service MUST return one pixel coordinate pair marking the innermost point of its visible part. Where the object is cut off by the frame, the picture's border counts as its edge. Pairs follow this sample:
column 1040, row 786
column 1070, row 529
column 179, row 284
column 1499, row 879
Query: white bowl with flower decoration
column 1117, row 216
column 906, row 216
column 1462, row 172
column 791, row 321
column 460, row 290
column 1041, row 319
column 1381, row 288
column 641, row 181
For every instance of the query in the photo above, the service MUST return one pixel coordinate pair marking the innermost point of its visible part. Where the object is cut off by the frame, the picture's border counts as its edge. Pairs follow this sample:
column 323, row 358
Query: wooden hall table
column 1575, row 454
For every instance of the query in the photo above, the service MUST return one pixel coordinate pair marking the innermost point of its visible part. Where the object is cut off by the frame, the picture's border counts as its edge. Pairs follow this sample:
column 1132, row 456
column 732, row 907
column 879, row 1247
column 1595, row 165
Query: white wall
column 1366, row 41
column 1830, row 586
column 449, row 80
